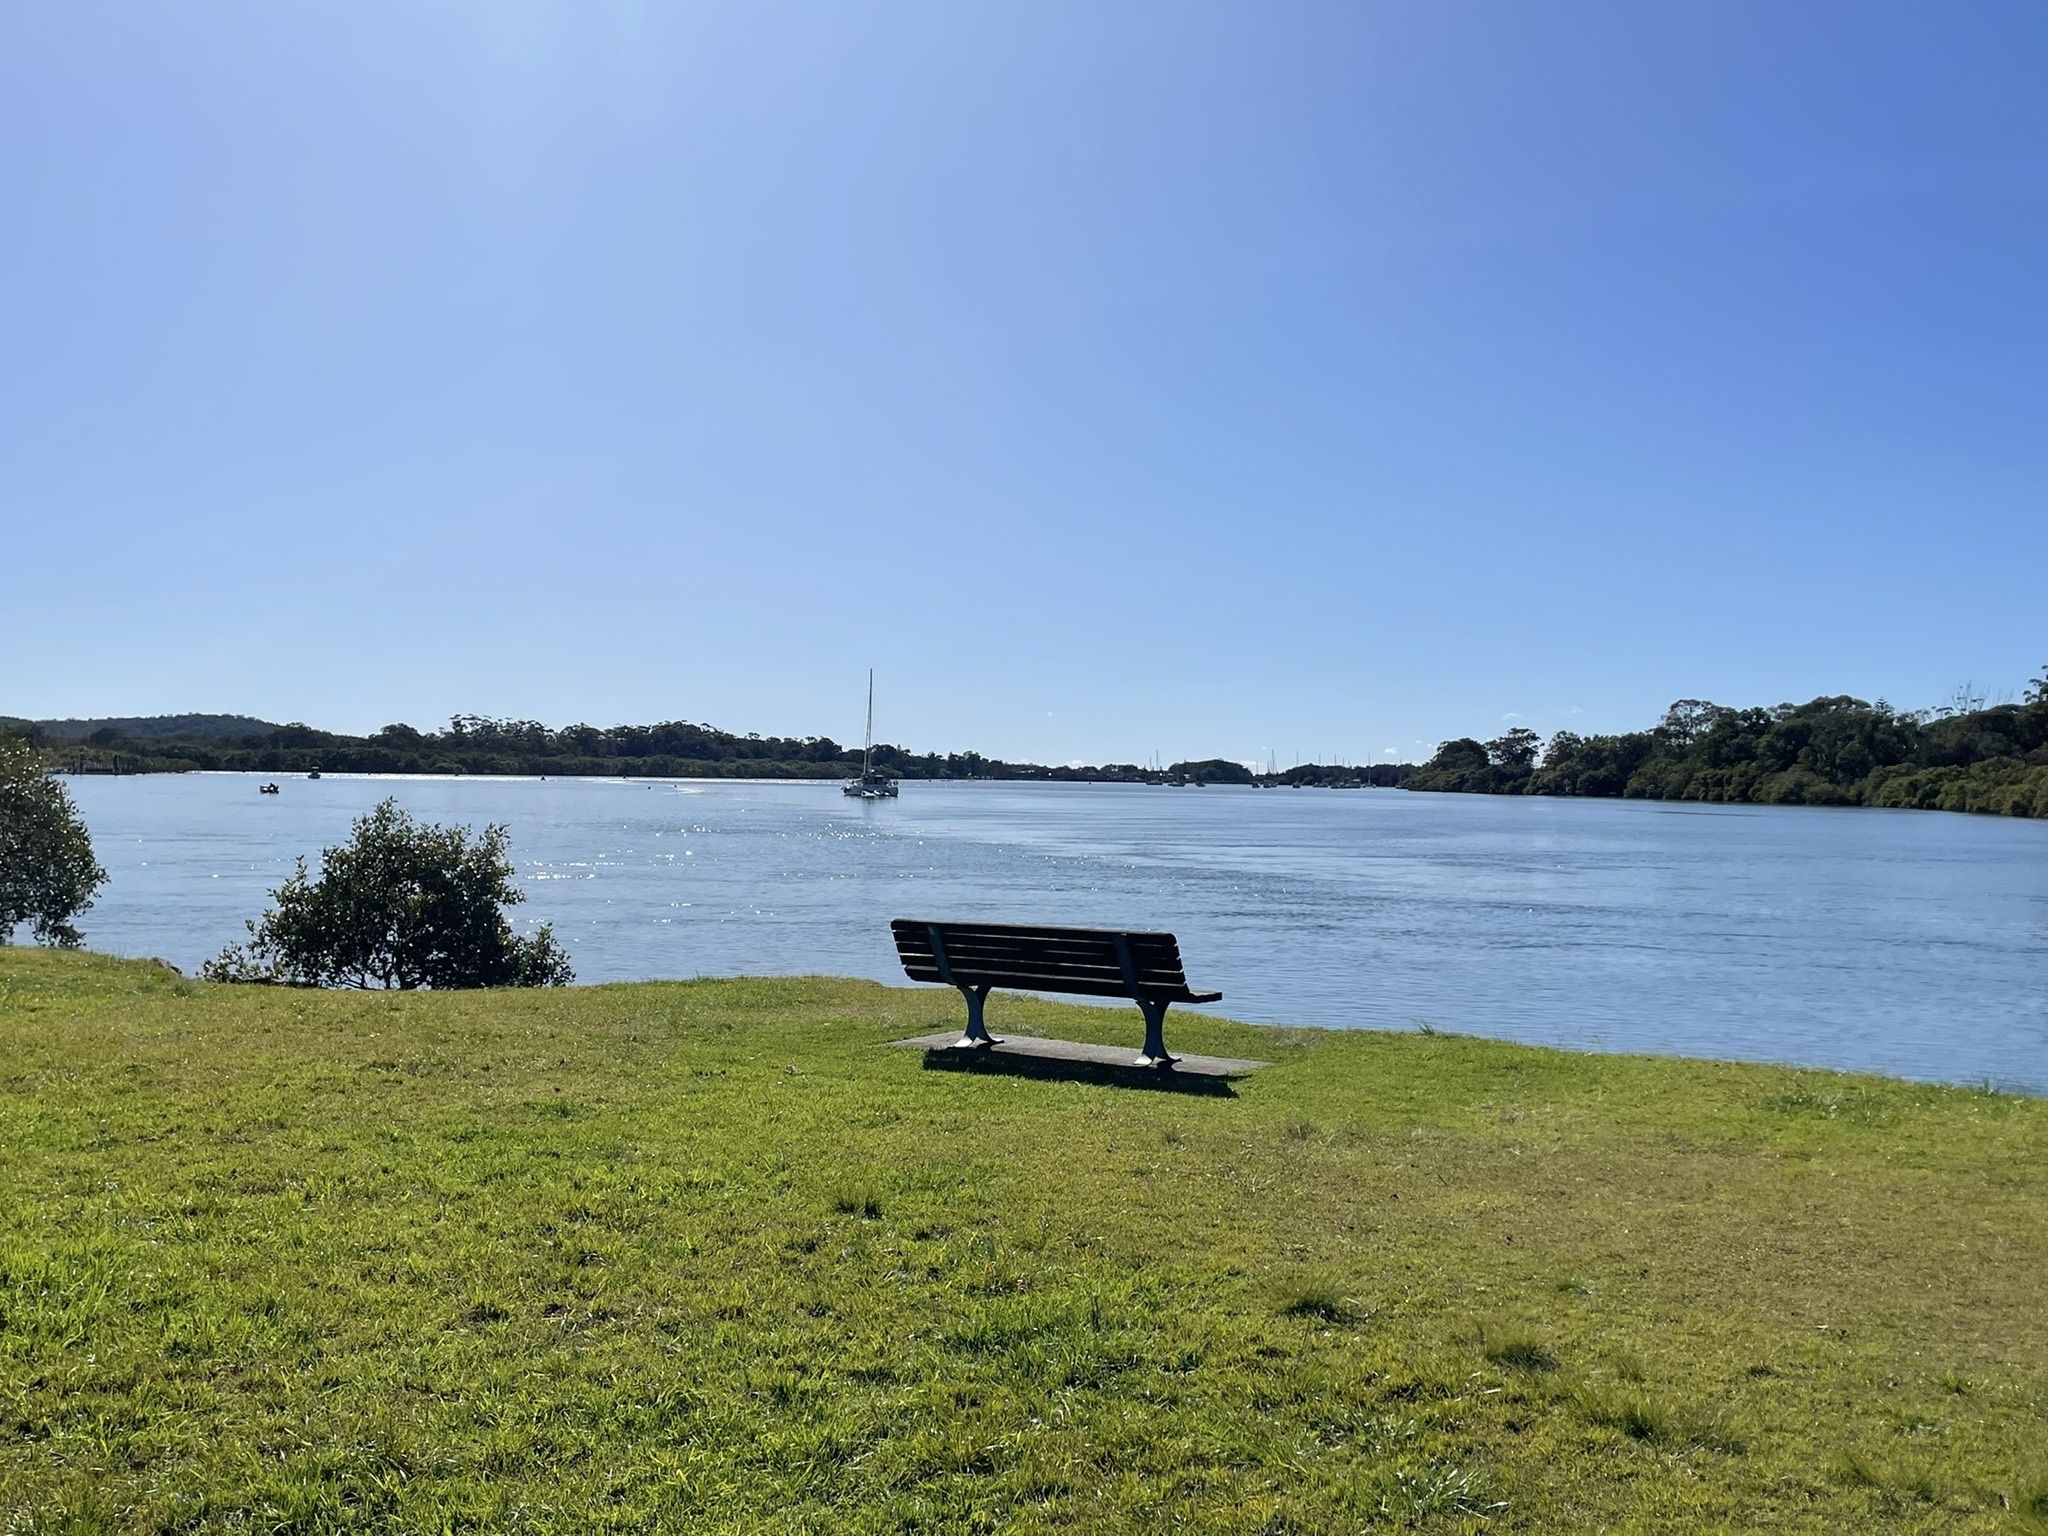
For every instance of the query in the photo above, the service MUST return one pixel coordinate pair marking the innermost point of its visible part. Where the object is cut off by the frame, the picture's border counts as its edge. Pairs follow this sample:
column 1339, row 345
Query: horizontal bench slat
column 1143, row 941
column 1149, row 957
column 1002, row 975
column 1019, row 930
column 1146, row 949
column 1106, row 957
column 1078, row 986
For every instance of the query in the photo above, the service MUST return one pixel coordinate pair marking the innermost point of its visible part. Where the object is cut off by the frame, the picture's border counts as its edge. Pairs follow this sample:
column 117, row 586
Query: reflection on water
column 1906, row 942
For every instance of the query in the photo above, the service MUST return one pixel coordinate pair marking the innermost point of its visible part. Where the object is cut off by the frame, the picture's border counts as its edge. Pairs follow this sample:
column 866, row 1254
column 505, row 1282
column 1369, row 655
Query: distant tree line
column 480, row 744
column 1342, row 776
column 1964, row 756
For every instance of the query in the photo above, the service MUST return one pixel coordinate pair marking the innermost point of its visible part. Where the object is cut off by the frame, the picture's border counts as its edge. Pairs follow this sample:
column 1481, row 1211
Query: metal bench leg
column 977, row 1035
column 1155, row 1035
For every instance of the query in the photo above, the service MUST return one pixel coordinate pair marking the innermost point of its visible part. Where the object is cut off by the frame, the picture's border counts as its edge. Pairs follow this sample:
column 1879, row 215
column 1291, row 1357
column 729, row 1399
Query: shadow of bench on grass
column 1052, row 1069
column 1072, row 1061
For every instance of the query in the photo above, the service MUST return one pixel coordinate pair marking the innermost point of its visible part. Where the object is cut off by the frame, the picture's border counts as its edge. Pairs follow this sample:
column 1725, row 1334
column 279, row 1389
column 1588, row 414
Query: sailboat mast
column 867, row 750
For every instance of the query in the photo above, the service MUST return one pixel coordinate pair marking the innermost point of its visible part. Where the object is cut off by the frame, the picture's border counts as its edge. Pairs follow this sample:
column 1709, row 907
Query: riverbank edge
column 1927, row 795
column 1205, row 1032
column 1110, row 1024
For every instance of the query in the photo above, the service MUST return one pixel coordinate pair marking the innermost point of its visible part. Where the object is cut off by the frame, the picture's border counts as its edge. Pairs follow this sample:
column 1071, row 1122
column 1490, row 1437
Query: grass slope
column 701, row 1257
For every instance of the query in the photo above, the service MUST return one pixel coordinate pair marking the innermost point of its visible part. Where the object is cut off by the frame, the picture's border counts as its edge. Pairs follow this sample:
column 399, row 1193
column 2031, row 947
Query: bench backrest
column 1091, row 962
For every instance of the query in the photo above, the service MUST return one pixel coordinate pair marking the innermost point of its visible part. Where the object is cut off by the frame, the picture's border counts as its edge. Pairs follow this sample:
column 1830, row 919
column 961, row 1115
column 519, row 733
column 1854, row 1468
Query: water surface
column 1913, row 943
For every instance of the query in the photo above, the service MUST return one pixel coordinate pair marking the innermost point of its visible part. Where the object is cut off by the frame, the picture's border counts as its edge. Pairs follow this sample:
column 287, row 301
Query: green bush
column 401, row 905
column 47, row 870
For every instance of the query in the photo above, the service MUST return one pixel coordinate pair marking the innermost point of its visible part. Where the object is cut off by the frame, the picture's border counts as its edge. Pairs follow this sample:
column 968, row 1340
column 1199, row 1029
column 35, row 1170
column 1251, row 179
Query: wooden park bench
column 1085, row 962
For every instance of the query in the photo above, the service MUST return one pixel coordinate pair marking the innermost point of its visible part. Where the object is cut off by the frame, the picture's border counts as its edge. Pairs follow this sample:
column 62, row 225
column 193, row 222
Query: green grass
column 702, row 1257
column 1516, row 1348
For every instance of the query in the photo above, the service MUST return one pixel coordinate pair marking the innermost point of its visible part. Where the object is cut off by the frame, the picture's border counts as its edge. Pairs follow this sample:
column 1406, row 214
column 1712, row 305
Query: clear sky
column 1328, row 379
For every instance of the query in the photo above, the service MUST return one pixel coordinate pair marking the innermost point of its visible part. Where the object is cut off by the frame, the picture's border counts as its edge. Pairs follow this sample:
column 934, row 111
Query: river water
column 1906, row 942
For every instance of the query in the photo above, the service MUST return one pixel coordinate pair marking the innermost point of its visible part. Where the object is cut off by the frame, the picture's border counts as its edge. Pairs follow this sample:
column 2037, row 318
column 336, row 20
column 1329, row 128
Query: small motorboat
column 314, row 774
column 266, row 789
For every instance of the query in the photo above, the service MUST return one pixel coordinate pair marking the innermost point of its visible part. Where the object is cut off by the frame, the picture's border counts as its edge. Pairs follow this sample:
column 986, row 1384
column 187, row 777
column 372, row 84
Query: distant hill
column 153, row 727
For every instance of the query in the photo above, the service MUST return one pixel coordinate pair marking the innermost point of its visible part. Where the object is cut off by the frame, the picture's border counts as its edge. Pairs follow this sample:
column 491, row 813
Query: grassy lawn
column 700, row 1256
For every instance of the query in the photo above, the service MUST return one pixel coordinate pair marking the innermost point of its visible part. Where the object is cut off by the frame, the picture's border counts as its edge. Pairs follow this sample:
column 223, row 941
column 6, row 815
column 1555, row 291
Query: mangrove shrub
column 402, row 904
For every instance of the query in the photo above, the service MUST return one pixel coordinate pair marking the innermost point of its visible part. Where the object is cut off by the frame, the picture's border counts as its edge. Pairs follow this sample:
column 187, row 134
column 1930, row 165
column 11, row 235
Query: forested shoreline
column 1968, row 756
column 479, row 744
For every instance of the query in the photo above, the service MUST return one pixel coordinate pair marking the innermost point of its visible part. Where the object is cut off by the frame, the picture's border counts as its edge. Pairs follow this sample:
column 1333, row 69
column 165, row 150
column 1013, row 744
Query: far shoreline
column 1690, row 806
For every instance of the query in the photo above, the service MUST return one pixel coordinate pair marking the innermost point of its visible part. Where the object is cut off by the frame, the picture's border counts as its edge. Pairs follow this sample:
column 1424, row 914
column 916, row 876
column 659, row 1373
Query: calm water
column 1906, row 942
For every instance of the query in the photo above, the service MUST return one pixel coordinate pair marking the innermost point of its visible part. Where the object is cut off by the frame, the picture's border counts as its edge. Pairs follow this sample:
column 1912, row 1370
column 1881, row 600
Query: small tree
column 402, row 904
column 47, row 869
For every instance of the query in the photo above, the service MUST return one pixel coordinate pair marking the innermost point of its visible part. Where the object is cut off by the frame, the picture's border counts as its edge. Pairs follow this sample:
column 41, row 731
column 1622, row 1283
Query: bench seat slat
column 1080, row 987
column 1103, row 982
column 980, row 970
column 961, row 965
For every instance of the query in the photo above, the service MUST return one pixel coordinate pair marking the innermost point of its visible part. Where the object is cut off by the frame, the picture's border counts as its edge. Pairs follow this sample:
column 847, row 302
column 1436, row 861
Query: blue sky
column 1327, row 379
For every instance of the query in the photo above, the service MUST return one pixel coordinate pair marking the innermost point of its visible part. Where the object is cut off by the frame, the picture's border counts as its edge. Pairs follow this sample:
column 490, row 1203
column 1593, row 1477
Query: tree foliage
column 1513, row 753
column 1502, row 766
column 1830, row 751
column 403, row 904
column 47, row 870
column 1212, row 770
column 479, row 744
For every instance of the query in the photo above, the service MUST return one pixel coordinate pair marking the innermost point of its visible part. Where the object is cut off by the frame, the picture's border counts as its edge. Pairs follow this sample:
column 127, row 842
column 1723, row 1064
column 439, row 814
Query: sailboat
column 871, row 785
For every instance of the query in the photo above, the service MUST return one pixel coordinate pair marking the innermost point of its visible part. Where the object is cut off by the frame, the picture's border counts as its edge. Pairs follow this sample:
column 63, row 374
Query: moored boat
column 872, row 784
